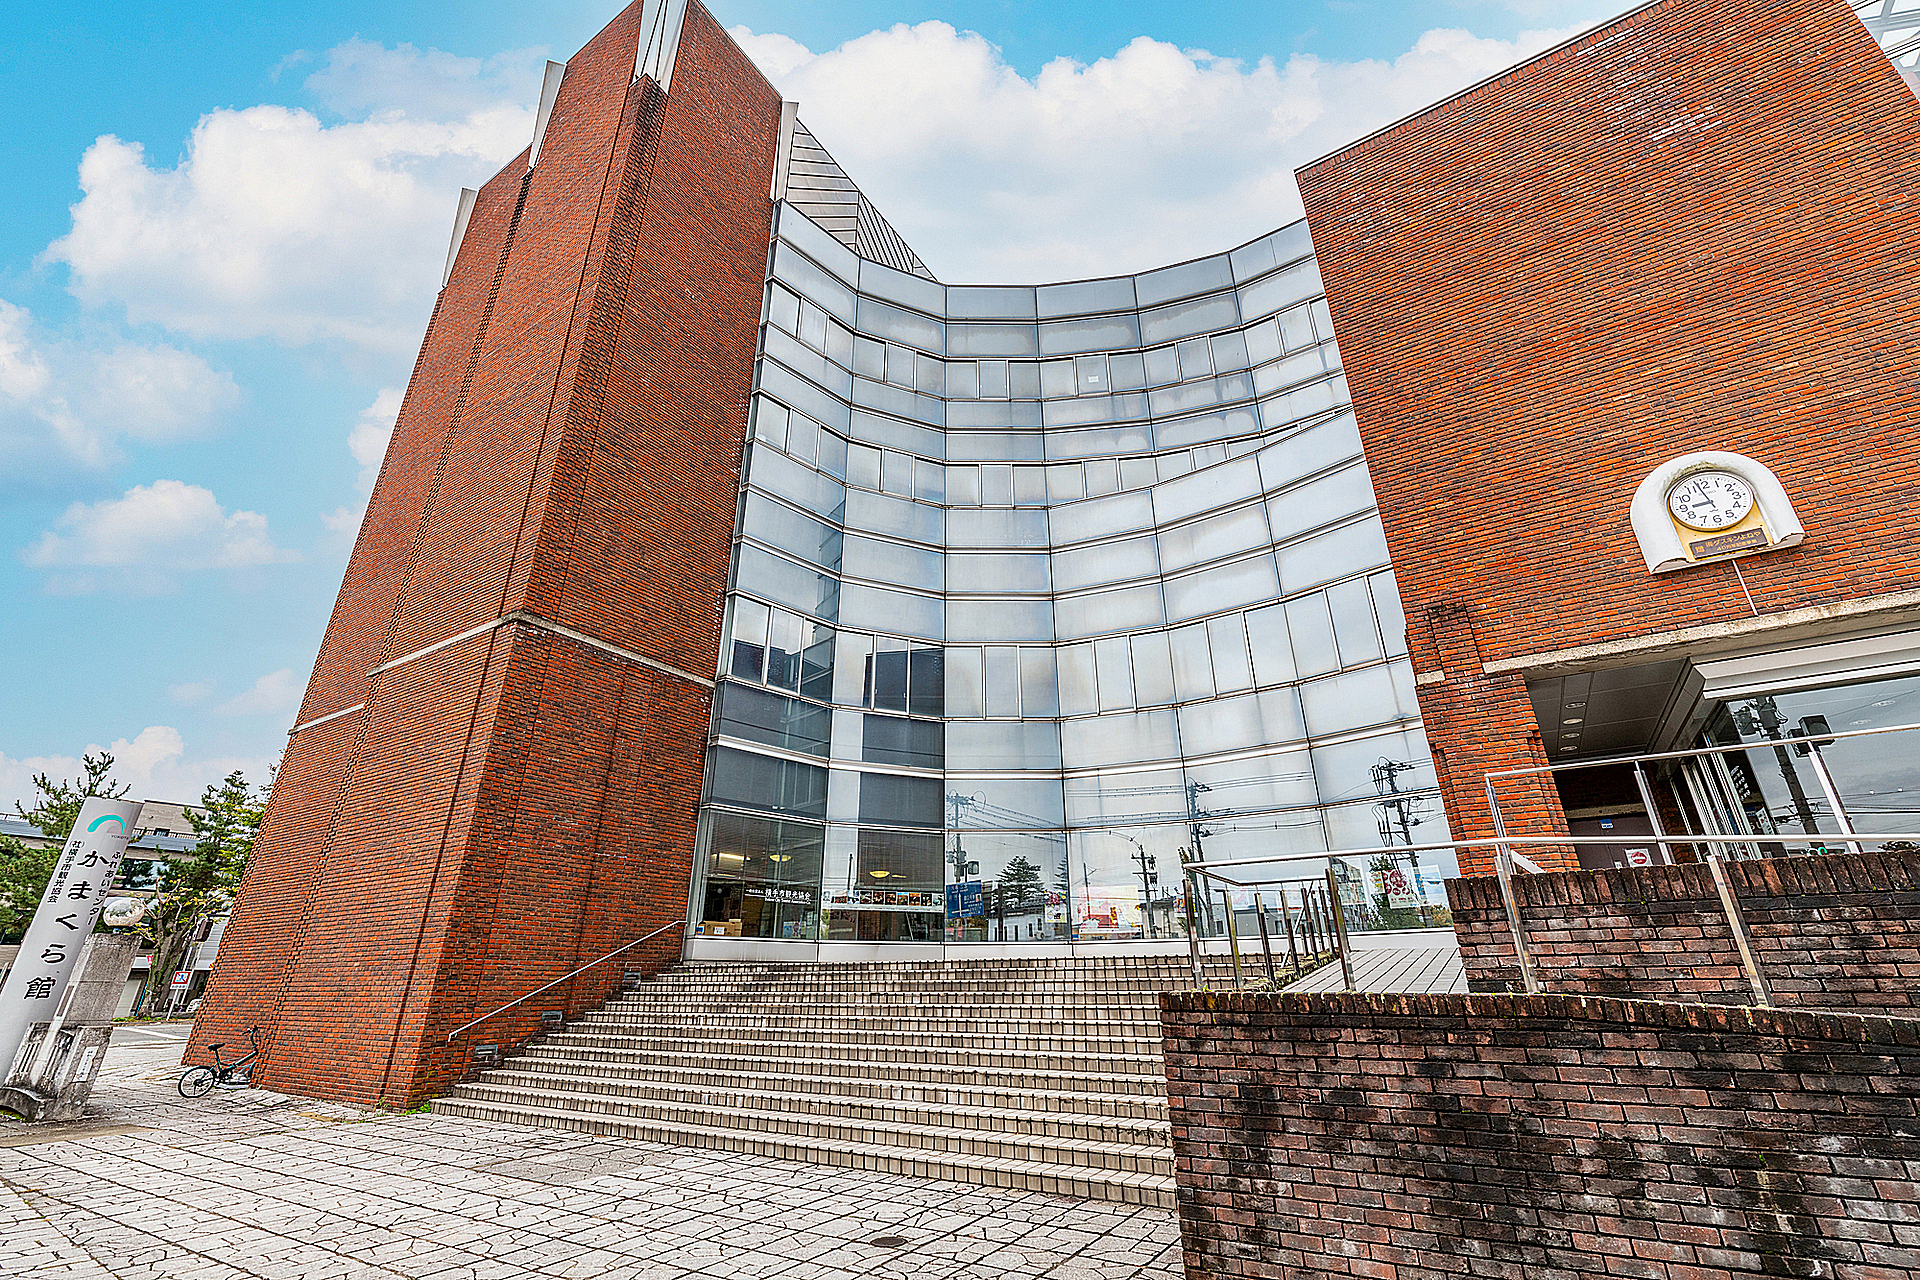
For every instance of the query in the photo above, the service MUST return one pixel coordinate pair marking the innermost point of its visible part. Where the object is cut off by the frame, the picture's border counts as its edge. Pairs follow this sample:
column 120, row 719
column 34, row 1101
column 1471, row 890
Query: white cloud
column 367, row 441
column 275, row 693
column 190, row 693
column 1149, row 156
column 277, row 224
column 154, row 764
column 144, row 540
column 71, row 401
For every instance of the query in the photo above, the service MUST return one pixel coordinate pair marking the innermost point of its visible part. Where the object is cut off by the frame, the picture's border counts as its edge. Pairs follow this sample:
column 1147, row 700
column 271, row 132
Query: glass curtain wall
column 1039, row 591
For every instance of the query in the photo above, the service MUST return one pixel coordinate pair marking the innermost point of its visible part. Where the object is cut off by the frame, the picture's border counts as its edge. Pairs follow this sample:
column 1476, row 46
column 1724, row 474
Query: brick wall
column 499, row 802
column 1839, row 931
column 1407, row 1137
column 1690, row 229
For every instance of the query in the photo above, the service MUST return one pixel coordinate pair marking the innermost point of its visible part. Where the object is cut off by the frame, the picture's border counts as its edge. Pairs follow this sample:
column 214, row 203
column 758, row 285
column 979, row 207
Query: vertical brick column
column 498, row 768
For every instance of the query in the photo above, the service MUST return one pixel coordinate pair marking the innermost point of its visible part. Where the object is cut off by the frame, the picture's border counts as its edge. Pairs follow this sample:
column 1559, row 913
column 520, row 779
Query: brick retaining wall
column 1835, row 931
column 1541, row 1138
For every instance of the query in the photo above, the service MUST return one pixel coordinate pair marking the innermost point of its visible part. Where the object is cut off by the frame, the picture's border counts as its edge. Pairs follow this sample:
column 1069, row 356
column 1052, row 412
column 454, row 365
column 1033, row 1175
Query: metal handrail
column 1821, row 739
column 677, row 924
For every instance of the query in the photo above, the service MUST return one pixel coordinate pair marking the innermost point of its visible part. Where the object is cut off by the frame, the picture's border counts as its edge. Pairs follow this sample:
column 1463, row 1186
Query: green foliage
column 25, row 869
column 201, row 884
column 1020, row 886
column 1386, row 916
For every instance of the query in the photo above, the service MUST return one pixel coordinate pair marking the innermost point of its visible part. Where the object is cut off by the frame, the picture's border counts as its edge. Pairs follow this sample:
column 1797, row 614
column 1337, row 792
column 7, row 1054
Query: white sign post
column 49, row 953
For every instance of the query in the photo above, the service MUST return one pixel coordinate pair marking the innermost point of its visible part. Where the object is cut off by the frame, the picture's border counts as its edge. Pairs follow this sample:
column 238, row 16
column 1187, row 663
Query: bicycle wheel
column 197, row 1082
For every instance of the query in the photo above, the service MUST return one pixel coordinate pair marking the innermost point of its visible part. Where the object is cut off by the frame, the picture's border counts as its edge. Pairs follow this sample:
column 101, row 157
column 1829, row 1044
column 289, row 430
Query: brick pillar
column 1476, row 724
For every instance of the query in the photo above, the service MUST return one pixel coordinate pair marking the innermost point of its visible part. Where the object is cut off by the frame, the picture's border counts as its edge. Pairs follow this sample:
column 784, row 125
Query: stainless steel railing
column 677, row 924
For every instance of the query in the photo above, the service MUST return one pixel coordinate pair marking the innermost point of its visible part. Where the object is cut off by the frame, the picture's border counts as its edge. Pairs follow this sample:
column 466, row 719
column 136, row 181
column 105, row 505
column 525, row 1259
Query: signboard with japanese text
column 82, row 875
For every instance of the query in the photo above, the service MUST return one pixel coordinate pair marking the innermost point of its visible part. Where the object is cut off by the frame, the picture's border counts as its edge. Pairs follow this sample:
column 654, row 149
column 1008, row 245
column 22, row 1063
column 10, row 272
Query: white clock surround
column 1660, row 538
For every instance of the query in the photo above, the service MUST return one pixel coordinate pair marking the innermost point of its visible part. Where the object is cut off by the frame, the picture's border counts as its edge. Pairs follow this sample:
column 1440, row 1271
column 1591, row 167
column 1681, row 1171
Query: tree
column 1020, row 886
column 192, row 890
column 1385, row 914
column 25, row 869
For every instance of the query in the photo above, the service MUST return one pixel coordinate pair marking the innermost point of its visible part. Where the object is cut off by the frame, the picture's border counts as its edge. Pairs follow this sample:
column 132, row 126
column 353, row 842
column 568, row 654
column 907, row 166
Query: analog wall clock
column 1710, row 500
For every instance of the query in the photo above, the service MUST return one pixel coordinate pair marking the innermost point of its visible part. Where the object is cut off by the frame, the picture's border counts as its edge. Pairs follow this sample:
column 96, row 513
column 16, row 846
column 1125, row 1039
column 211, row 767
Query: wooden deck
column 1423, row 969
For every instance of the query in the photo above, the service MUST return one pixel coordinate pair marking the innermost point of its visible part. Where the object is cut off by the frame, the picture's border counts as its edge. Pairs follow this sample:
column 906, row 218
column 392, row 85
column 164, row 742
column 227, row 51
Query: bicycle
column 198, row 1081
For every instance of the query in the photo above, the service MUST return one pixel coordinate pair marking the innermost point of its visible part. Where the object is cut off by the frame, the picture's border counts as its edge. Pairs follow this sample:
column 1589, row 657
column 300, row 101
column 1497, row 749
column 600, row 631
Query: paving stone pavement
column 247, row 1183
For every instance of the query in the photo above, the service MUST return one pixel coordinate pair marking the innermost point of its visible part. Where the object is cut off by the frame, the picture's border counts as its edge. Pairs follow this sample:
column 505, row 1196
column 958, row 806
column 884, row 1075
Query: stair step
column 1152, row 1186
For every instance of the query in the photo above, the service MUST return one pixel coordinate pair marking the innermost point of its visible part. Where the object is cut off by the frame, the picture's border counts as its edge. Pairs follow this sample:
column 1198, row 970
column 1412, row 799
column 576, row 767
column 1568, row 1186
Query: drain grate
column 888, row 1242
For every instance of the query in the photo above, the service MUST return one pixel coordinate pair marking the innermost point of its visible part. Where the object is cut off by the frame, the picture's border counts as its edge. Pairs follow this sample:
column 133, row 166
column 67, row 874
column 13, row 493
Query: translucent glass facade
column 1036, row 591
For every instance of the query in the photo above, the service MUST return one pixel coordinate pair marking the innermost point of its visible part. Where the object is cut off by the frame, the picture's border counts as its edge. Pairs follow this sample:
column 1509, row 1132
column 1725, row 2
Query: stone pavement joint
column 247, row 1183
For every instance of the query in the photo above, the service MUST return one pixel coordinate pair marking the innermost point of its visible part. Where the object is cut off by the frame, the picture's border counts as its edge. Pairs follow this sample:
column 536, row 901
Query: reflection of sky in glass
column 1878, row 776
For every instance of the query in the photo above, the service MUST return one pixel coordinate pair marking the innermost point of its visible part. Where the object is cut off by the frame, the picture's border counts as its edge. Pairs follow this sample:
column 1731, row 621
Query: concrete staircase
column 1042, row 1075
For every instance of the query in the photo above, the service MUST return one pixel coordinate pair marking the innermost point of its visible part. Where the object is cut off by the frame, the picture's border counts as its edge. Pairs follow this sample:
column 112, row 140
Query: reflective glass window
column 1128, row 736
column 964, row 696
column 783, row 308
column 872, row 608
column 1333, row 554
column 899, row 366
column 812, row 282
column 870, row 358
column 1353, row 626
column 992, row 340
column 1195, row 359
column 863, row 466
column 1353, row 699
column 879, row 513
column 996, row 485
column 1296, row 329
column 839, row 345
column 1263, row 342
column 1301, row 280
column 996, row 572
column 1152, row 669
column 1039, row 683
column 749, row 639
column 1101, row 517
column 991, row 302
column 1006, row 527
column 787, row 635
column 929, row 481
column 1065, row 483
column 1003, row 680
column 963, row 379
column 886, row 686
column 1029, row 486
column 898, row 740
column 777, row 578
column 803, row 437
column 752, row 781
column 1222, row 725
column 927, row 681
column 1204, row 490
column 1254, row 784
column 762, row 877
column 897, row 325
column 756, row 715
column 1003, row 744
column 1127, row 370
column 1322, row 318
column 1163, row 366
column 1270, row 646
column 1232, row 669
column 1184, row 319
column 833, row 454
column 1138, row 795
column 770, row 422
column 1311, row 627
column 1056, row 378
column 899, row 801
column 1086, row 297
column 1192, row 667
column 896, row 473
column 1005, row 804
column 993, row 379
column 1386, row 603
column 893, row 562
column 1226, row 586
column 1212, row 537
column 930, row 375
column 1096, row 613
column 1113, row 665
column 853, row 669
column 1023, row 380
column 1305, row 452
column 1183, row 279
column 1079, row 691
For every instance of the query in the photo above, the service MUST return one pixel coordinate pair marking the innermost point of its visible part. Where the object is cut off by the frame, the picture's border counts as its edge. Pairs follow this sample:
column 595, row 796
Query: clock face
column 1710, row 500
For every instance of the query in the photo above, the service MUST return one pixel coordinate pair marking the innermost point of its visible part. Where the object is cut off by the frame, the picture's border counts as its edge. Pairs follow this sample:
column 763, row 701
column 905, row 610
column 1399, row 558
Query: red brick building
column 732, row 583
column 1689, row 230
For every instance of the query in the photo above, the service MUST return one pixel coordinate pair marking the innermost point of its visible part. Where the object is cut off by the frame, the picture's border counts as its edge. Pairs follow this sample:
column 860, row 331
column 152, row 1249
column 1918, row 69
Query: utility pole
column 1763, row 719
column 1196, row 832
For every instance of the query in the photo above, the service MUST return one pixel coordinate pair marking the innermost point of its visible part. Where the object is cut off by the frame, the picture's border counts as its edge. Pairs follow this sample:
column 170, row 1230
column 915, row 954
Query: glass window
column 1138, row 795
column 1119, row 739
column 1004, row 804
column 1127, row 370
column 1192, row 668
column 1269, row 645
column 898, row 801
column 1263, row 342
column 787, row 635
column 863, row 466
column 1227, row 586
column 1102, row 333
column 1322, row 318
column 1006, row 527
column 872, row 608
column 752, row 781
column 1078, row 690
column 1296, row 329
column 1090, row 375
column 1305, row 452
column 763, row 877
column 963, row 486
column 1195, row 362
column 1039, row 684
column 749, row 639
column 1183, row 280
column 1212, row 537
column 1229, row 352
column 896, row 473
column 1000, row 618
column 1023, row 380
column 1029, row 486
column 1113, row 663
column 1152, row 669
column 1393, row 620
column 853, row 667
column 1349, row 701
column 1353, row 628
column 884, row 321
column 899, row 366
column 770, row 422
column 1065, row 483
column 996, row 485
column 1333, row 554
column 879, row 513
column 1086, row 297
column 886, row 687
column 1183, row 319
column 839, row 344
column 1128, row 558
column 833, row 454
column 1255, row 784
column 1311, row 627
column 964, row 697
column 930, row 375
column 893, row 562
column 1126, row 609
column 1301, row 280
column 1003, row 680
column 756, row 715
column 783, row 308
column 929, row 481
column 992, row 340
column 896, row 740
column 963, row 379
column 803, row 436
column 997, row 572
column 1103, row 476
column 783, row 527
column 870, row 358
column 1007, row 887
column 927, row 681
column 1003, row 744
column 1163, row 367
column 1204, row 490
column 993, row 379
column 991, row 302
column 1227, row 637
column 1101, row 517
column 1222, row 725
column 1056, row 378
column 777, row 578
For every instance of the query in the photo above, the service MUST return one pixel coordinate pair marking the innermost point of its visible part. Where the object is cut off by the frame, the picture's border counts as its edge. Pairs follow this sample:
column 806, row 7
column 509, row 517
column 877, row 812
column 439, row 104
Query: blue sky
column 227, row 222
